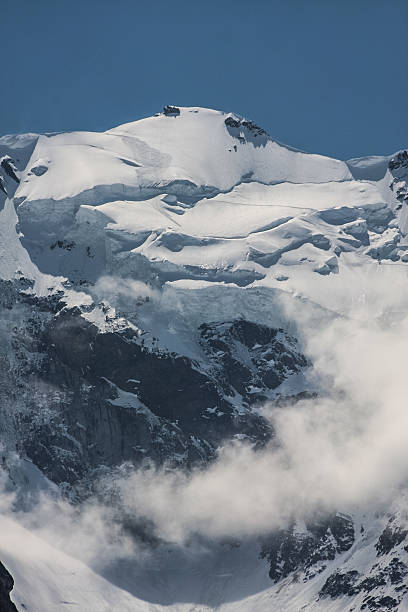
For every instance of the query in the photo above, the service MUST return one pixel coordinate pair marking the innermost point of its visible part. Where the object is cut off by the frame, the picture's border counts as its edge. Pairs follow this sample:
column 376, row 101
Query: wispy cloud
column 348, row 447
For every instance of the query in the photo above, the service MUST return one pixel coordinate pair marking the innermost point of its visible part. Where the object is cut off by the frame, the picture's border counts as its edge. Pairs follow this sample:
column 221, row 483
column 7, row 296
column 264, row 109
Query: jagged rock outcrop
column 6, row 586
column 171, row 111
column 398, row 166
column 291, row 550
column 80, row 397
column 9, row 167
column 249, row 358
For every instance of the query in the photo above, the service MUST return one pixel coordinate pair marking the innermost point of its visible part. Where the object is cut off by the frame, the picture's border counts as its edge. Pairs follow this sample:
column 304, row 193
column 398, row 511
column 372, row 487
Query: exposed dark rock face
column 289, row 550
column 375, row 584
column 246, row 131
column 399, row 161
column 392, row 536
column 171, row 111
column 77, row 398
column 6, row 586
column 250, row 358
column 380, row 603
column 39, row 170
column 63, row 244
column 231, row 122
column 398, row 167
column 339, row 584
column 9, row 168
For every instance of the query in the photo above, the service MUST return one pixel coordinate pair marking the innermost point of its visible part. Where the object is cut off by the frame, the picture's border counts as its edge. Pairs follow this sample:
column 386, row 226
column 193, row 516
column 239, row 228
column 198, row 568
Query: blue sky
column 328, row 76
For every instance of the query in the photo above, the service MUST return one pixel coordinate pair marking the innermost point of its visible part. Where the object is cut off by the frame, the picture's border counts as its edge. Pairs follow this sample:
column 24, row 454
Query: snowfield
column 48, row 579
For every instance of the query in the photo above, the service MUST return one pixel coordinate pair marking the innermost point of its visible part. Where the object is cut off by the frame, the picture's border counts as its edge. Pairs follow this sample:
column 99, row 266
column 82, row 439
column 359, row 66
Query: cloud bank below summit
column 342, row 450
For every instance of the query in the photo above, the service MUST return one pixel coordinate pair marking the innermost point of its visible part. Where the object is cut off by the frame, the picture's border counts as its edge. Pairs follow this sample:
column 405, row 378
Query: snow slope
column 47, row 579
column 203, row 195
column 227, row 580
column 196, row 147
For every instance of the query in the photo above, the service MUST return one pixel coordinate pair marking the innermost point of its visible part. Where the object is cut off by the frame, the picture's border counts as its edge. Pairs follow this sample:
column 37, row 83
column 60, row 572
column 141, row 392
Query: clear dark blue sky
column 329, row 76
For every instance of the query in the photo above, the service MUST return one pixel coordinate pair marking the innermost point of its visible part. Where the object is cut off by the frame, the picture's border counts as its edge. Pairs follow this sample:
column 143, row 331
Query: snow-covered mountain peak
column 207, row 150
column 155, row 280
column 198, row 194
column 172, row 164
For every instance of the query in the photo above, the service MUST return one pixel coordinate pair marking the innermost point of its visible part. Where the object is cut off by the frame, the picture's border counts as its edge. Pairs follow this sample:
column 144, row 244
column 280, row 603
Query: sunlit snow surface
column 188, row 197
column 217, row 220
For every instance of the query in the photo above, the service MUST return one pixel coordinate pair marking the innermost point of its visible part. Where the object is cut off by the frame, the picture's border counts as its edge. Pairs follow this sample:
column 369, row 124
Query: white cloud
column 346, row 448
column 122, row 293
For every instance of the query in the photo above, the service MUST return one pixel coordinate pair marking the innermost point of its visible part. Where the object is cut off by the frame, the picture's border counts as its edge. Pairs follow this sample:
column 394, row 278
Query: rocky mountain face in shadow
column 6, row 586
column 79, row 398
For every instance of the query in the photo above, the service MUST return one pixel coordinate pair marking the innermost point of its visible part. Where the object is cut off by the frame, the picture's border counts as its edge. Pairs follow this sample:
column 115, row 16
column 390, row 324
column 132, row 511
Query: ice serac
column 145, row 277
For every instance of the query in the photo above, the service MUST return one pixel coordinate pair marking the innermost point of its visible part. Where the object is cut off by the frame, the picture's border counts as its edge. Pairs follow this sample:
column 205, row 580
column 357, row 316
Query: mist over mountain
column 202, row 364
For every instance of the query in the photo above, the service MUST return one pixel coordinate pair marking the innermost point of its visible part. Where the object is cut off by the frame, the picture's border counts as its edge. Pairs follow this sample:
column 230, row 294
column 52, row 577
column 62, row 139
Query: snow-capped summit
column 198, row 194
column 209, row 150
